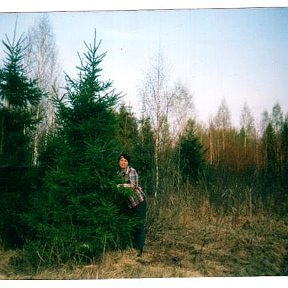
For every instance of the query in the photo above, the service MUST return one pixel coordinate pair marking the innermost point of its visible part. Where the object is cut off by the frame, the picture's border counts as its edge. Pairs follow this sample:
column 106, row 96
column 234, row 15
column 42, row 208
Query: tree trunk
column 2, row 135
column 36, row 139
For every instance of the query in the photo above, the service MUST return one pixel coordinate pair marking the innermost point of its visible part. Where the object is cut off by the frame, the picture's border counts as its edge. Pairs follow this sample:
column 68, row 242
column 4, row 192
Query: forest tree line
column 59, row 149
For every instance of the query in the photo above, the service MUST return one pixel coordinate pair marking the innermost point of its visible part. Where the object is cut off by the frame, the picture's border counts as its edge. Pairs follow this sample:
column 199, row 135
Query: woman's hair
column 124, row 155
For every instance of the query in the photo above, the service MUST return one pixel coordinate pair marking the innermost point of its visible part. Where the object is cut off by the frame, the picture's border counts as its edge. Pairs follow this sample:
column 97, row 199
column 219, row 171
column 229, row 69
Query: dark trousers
column 139, row 233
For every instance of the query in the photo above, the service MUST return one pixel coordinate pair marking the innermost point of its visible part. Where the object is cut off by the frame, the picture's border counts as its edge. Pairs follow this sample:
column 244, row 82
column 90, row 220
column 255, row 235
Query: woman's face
column 123, row 163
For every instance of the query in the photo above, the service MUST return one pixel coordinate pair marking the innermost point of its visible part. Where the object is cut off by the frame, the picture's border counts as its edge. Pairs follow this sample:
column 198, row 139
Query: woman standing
column 137, row 202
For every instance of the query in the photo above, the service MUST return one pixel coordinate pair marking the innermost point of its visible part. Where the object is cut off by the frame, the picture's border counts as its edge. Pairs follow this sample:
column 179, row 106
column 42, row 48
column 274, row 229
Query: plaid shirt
column 131, row 176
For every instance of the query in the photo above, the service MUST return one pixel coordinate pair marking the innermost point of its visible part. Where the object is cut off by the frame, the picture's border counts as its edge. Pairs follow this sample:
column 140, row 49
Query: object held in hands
column 125, row 185
column 126, row 192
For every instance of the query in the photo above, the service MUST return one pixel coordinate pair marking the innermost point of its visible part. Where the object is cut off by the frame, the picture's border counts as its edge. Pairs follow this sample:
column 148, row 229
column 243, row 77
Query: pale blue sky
column 236, row 54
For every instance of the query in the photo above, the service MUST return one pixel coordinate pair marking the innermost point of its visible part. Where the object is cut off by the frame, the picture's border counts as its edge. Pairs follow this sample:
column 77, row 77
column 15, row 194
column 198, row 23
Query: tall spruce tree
column 19, row 96
column 270, row 157
column 284, row 149
column 144, row 155
column 128, row 131
column 271, row 165
column 191, row 153
column 284, row 166
column 78, row 215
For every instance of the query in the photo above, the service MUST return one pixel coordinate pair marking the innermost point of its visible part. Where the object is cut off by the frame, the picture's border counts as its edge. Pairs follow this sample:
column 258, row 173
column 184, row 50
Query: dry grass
column 126, row 265
column 5, row 257
column 185, row 243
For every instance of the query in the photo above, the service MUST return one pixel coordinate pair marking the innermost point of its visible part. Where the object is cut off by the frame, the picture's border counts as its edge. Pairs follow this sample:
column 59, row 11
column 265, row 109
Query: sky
column 239, row 55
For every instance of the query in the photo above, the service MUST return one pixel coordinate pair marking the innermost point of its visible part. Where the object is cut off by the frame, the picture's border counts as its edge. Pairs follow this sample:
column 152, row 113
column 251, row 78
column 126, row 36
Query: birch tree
column 247, row 124
column 277, row 118
column 41, row 59
column 156, row 98
column 168, row 106
column 181, row 109
column 223, row 121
